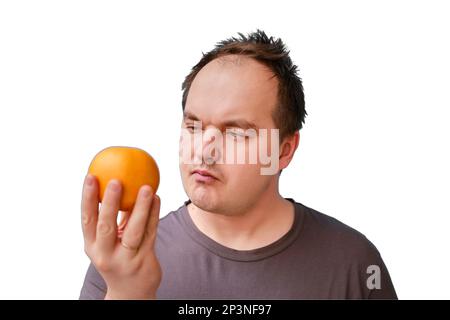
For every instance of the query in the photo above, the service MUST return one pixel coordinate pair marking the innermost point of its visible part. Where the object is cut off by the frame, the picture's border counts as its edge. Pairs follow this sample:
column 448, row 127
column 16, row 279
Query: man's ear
column 288, row 148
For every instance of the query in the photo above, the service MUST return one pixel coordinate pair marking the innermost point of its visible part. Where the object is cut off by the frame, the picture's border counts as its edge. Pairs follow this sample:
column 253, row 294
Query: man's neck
column 266, row 222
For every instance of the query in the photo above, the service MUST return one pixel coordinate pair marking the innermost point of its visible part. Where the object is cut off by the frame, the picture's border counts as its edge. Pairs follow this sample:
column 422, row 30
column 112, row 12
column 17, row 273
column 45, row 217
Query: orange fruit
column 133, row 167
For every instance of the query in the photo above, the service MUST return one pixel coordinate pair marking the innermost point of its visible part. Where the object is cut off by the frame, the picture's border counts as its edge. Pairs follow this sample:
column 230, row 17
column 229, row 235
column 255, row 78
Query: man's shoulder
column 332, row 235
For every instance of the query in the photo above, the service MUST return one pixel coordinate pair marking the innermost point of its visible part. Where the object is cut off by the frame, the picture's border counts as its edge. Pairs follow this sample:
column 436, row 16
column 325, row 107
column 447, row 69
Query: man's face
column 228, row 96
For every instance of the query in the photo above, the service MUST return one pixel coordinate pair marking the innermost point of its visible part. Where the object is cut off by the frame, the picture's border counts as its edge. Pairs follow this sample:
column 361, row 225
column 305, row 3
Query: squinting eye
column 192, row 129
column 235, row 134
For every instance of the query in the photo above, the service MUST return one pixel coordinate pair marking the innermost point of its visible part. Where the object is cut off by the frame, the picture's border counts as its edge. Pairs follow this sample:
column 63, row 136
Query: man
column 236, row 237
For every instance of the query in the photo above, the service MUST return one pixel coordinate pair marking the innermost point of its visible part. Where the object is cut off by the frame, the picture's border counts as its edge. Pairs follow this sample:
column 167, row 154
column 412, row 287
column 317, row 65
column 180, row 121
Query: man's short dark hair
column 289, row 115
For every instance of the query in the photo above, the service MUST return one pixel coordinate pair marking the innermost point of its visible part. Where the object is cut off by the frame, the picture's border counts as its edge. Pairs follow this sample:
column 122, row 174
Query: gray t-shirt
column 319, row 258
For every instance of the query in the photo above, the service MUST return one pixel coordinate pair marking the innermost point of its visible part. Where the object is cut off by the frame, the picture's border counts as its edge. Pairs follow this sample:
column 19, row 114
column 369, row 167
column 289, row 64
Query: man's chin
column 204, row 201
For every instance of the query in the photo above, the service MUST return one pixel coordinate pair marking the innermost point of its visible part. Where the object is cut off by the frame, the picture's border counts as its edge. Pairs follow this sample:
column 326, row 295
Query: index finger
column 106, row 237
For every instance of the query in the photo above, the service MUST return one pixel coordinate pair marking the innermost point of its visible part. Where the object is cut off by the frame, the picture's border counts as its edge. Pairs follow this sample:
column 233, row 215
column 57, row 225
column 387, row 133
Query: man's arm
column 94, row 287
column 381, row 288
column 375, row 275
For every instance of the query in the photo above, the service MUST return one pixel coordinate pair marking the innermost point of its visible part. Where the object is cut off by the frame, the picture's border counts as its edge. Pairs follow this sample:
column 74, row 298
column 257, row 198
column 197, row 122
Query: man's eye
column 236, row 133
column 192, row 128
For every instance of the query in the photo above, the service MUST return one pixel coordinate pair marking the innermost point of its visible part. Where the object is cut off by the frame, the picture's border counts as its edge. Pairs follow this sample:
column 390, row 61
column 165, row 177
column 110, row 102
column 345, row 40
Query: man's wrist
column 114, row 295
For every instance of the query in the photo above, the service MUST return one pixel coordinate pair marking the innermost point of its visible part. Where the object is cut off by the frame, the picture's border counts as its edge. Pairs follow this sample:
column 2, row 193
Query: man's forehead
column 220, row 111
column 230, row 93
column 223, row 102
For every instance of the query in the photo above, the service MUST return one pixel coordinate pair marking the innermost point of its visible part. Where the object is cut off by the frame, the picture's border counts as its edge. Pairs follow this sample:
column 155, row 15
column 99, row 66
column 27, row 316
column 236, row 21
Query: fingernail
column 114, row 185
column 89, row 180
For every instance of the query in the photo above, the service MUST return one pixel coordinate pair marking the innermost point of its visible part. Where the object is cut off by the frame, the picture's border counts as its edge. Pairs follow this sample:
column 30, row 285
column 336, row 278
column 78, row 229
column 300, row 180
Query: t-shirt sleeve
column 374, row 275
column 383, row 287
column 94, row 287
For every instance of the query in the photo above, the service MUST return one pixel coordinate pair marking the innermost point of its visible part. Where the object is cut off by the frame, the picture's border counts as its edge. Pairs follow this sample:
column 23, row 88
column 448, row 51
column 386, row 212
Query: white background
column 77, row 76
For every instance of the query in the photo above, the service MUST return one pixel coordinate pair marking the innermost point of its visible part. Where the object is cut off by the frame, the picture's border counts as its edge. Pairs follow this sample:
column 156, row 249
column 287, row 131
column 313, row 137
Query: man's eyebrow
column 239, row 123
column 187, row 115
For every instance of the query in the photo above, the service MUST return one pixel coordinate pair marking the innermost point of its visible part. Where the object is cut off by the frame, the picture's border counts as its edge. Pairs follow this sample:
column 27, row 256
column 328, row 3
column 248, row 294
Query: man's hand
column 127, row 262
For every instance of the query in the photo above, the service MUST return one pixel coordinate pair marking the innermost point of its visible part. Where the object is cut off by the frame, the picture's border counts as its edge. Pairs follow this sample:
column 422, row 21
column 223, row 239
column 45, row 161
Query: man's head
column 244, row 83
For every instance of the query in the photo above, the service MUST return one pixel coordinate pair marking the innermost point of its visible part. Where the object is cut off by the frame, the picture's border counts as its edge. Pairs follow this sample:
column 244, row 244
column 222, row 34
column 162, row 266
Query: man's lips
column 204, row 173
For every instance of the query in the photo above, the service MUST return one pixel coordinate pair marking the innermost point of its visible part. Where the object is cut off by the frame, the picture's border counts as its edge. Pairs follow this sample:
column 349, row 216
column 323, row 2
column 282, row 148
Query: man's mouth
column 203, row 176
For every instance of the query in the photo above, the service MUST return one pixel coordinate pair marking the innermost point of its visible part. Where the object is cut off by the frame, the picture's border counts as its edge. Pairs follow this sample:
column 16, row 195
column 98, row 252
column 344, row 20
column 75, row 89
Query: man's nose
column 210, row 151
